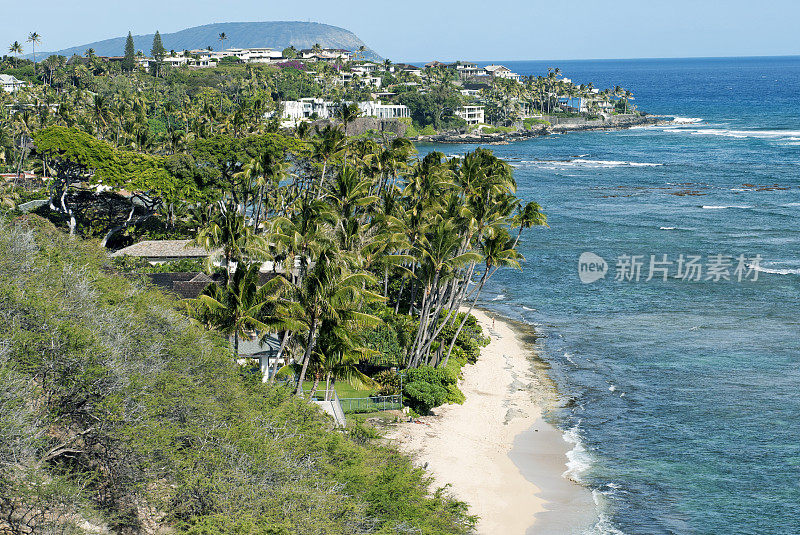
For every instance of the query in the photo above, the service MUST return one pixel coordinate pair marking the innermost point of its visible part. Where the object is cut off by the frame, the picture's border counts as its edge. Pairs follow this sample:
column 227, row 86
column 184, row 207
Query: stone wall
column 364, row 124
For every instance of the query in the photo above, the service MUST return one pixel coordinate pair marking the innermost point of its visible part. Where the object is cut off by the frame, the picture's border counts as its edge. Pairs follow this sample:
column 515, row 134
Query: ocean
column 680, row 396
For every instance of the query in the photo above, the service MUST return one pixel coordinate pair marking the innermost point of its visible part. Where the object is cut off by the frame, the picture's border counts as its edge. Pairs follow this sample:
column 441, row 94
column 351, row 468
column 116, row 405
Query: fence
column 356, row 405
column 372, row 404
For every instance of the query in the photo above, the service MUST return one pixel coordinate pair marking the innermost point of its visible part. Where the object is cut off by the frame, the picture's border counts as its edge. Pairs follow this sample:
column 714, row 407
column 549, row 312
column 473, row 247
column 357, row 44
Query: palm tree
column 228, row 231
column 330, row 143
column 99, row 110
column 338, row 352
column 329, row 296
column 529, row 216
column 34, row 38
column 234, row 308
column 221, row 38
column 267, row 170
column 15, row 48
column 89, row 53
column 440, row 255
column 497, row 251
column 348, row 113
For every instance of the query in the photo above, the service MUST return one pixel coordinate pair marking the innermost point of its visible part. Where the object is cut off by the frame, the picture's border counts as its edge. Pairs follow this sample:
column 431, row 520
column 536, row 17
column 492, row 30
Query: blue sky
column 448, row 29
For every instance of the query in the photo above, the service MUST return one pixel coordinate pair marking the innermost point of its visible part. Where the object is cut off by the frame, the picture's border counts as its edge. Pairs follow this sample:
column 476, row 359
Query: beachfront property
column 383, row 111
column 573, row 104
column 10, row 84
column 501, row 71
column 161, row 251
column 348, row 77
column 472, row 114
column 465, row 69
column 307, row 108
column 406, row 68
column 316, row 108
column 329, row 55
column 472, row 89
column 366, row 67
column 203, row 58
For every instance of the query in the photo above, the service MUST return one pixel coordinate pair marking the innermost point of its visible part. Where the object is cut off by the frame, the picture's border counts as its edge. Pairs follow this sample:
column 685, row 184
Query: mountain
column 277, row 35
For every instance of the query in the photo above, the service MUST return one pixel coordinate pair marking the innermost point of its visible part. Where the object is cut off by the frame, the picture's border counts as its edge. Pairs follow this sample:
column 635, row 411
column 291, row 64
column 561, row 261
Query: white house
column 326, row 54
column 366, row 67
column 500, row 71
column 465, row 69
column 405, row 67
column 471, row 114
column 305, row 108
column 383, row 111
column 10, row 84
column 573, row 103
column 262, row 55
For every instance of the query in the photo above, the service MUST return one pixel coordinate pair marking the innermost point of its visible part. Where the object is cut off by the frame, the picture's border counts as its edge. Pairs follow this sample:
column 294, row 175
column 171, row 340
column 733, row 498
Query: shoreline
column 500, row 138
column 495, row 450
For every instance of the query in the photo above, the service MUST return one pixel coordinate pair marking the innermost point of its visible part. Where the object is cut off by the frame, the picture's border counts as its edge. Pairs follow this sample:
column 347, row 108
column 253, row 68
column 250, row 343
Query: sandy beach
column 470, row 446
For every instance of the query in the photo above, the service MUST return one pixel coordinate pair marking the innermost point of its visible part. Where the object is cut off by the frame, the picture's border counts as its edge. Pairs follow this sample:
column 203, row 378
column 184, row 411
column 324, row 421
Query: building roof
column 493, row 68
column 267, row 347
column 163, row 249
column 9, row 79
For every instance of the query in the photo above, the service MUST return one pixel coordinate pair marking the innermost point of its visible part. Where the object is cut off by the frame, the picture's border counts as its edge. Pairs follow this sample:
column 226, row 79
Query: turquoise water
column 682, row 397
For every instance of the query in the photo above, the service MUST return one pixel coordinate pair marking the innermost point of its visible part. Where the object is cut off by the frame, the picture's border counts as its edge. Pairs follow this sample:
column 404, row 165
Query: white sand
column 467, row 446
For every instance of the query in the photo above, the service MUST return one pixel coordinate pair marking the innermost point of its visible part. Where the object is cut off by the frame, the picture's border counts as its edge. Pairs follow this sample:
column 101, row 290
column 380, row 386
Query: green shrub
column 140, row 265
column 530, row 122
column 429, row 387
column 422, row 396
column 384, row 340
column 389, row 382
column 498, row 130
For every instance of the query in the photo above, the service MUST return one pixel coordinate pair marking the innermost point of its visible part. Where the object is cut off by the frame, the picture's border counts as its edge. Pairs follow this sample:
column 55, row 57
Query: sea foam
column 773, row 271
column 578, row 459
column 687, row 120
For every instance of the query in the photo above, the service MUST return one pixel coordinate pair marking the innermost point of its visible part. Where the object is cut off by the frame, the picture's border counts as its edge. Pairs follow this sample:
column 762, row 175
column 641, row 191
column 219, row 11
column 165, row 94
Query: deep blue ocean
column 681, row 397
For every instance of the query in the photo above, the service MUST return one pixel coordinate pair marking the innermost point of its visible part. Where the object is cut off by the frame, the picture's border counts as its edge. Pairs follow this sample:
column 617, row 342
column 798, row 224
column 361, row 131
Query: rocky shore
column 559, row 126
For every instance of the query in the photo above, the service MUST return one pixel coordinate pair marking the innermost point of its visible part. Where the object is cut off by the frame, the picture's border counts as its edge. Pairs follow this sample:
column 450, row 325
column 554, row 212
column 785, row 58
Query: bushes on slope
column 136, row 417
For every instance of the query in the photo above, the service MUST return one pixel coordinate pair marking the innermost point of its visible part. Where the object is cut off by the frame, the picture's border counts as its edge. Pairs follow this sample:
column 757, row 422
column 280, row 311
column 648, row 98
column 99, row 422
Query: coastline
column 495, row 450
column 500, row 138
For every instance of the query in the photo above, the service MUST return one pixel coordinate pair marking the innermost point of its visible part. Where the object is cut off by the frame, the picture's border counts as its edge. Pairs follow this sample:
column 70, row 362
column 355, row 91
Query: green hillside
column 277, row 35
column 119, row 415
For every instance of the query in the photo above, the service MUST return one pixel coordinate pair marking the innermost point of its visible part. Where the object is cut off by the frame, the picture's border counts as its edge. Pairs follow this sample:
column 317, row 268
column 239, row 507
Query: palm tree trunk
column 306, row 357
column 322, row 179
column 314, row 387
column 399, row 294
column 466, row 316
column 278, row 357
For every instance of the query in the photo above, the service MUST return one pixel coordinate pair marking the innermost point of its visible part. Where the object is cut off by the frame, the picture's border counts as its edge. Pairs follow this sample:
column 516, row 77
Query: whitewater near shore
column 470, row 446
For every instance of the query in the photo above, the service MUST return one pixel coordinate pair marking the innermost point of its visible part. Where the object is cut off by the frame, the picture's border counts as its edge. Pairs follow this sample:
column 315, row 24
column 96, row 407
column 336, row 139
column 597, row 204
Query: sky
column 416, row 30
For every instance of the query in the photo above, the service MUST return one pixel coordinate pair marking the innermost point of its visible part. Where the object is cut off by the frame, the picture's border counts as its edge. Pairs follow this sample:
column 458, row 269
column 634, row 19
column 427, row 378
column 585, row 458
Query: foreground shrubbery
column 116, row 410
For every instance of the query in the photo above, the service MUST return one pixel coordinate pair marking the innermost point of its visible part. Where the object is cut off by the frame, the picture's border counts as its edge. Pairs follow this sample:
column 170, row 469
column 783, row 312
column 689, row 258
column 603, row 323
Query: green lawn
column 343, row 390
